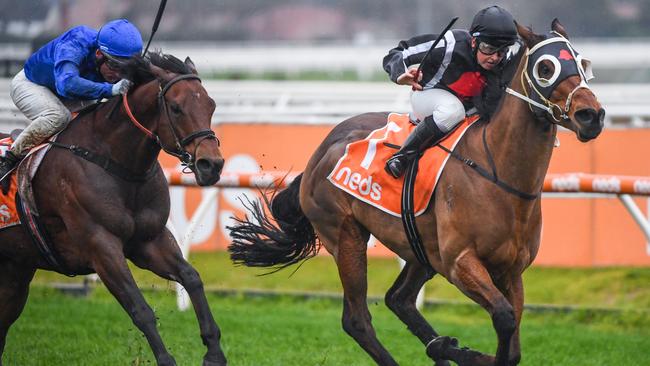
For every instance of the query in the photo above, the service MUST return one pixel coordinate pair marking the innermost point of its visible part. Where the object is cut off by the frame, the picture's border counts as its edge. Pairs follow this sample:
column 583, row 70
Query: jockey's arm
column 70, row 84
column 408, row 53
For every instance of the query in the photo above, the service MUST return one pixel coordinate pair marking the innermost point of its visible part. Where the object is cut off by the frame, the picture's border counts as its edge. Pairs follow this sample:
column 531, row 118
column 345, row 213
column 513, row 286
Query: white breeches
column 446, row 108
column 41, row 106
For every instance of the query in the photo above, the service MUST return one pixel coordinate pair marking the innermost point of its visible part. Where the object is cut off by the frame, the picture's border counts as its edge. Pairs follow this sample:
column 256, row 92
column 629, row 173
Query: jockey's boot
column 7, row 163
column 425, row 134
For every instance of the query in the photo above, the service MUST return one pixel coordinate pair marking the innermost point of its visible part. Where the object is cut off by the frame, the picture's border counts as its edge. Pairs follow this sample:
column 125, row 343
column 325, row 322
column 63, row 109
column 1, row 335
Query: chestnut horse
column 477, row 235
column 99, row 215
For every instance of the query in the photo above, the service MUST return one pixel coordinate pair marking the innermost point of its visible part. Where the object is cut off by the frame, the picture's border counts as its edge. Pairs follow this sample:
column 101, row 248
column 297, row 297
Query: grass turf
column 616, row 288
column 57, row 329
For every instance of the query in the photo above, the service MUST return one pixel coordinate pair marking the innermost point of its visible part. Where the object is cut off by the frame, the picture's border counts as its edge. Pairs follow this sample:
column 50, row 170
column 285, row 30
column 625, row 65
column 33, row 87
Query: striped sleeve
column 407, row 53
column 411, row 52
column 441, row 58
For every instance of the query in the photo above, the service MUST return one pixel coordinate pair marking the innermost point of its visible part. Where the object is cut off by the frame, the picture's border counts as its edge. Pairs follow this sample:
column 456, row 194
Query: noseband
column 187, row 159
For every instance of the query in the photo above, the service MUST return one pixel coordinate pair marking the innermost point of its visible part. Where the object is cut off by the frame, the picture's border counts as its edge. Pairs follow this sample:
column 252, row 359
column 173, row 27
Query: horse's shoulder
column 472, row 138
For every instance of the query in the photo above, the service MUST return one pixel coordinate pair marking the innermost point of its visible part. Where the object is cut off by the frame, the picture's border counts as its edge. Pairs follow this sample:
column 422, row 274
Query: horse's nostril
column 203, row 165
column 208, row 166
column 586, row 116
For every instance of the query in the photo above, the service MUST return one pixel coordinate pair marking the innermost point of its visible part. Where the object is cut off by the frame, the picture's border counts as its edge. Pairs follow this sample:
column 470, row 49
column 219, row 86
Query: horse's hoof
column 470, row 357
column 436, row 348
column 214, row 361
column 454, row 342
column 167, row 360
column 167, row 363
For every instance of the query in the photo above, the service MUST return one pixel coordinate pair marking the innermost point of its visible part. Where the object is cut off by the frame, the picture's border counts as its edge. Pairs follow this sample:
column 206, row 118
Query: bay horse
column 97, row 214
column 477, row 235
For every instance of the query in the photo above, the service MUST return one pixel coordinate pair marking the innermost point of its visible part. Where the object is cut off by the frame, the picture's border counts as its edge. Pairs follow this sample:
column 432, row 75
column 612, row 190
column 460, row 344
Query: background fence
column 275, row 126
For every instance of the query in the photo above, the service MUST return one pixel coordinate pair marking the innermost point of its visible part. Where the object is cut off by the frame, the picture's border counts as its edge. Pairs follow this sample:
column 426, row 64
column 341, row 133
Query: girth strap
column 29, row 222
column 106, row 163
column 492, row 177
column 408, row 215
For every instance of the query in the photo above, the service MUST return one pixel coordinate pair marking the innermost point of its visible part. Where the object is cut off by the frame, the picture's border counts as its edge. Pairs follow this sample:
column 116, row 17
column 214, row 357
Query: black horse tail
column 288, row 239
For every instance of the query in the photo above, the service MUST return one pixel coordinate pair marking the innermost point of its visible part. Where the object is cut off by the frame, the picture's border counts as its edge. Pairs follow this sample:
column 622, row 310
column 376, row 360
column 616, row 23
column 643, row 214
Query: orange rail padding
column 569, row 182
column 580, row 182
column 233, row 180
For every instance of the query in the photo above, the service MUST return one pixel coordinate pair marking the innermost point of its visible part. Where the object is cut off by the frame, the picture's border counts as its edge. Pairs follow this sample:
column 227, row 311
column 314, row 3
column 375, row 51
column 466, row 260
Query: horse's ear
column 527, row 34
column 190, row 65
column 559, row 28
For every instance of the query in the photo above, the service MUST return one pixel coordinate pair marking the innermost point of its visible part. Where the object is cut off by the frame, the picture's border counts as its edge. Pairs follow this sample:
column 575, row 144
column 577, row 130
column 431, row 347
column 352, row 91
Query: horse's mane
column 137, row 68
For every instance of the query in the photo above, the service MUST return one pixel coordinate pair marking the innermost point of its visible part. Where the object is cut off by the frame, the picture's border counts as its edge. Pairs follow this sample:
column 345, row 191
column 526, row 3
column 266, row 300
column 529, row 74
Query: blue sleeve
column 72, row 86
column 68, row 56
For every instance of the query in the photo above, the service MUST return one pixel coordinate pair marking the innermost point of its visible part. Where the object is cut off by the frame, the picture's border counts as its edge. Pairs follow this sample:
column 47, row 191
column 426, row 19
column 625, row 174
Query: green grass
column 57, row 329
column 620, row 288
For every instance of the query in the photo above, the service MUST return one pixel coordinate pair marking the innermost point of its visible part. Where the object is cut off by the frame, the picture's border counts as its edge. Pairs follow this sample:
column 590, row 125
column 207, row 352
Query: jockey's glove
column 121, row 87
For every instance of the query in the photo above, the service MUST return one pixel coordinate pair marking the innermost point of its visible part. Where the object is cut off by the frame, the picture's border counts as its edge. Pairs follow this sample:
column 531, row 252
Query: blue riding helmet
column 119, row 38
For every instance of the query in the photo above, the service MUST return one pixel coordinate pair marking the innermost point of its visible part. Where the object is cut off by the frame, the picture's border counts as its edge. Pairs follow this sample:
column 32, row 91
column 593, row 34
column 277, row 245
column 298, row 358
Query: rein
column 548, row 106
column 179, row 151
column 492, row 177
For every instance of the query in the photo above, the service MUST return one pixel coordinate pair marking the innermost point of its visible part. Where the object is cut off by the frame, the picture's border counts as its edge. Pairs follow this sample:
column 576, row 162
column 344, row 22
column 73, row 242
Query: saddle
column 8, row 213
column 360, row 171
column 18, row 206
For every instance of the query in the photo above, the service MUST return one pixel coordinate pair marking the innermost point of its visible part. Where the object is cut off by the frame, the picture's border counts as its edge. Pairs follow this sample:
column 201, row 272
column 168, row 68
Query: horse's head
column 184, row 113
column 555, row 78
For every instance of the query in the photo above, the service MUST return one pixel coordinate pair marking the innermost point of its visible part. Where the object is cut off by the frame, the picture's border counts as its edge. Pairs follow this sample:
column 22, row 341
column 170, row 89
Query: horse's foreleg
column 14, row 287
column 110, row 264
column 351, row 260
column 472, row 278
column 401, row 298
column 515, row 294
column 163, row 257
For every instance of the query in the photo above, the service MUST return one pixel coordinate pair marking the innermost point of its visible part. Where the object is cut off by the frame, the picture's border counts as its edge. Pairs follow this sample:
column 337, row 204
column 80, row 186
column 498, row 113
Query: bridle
column 556, row 112
column 179, row 151
column 547, row 107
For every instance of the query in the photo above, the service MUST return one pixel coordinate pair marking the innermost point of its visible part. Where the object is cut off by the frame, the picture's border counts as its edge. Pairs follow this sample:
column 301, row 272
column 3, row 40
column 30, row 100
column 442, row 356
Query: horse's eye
column 545, row 70
column 175, row 108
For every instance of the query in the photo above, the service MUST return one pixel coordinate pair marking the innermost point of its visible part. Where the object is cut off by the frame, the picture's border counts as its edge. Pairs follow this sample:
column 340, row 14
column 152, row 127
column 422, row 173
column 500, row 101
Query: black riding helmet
column 495, row 26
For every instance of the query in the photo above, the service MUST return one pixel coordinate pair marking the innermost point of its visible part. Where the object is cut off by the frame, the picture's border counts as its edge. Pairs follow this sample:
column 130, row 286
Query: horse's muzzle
column 208, row 171
column 590, row 123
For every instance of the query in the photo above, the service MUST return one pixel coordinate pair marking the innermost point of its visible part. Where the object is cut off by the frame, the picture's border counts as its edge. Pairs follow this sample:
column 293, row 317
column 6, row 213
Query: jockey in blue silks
column 79, row 65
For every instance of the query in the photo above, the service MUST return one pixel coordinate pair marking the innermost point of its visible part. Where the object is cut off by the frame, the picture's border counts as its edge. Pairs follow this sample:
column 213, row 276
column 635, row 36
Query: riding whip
column 435, row 43
column 156, row 22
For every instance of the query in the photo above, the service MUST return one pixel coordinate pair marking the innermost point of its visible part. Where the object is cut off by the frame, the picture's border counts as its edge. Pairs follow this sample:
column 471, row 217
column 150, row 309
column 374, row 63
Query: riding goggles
column 114, row 62
column 489, row 50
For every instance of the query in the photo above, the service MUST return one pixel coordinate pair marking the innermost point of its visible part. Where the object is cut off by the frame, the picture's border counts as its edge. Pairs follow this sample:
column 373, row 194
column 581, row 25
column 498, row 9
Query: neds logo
column 357, row 182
